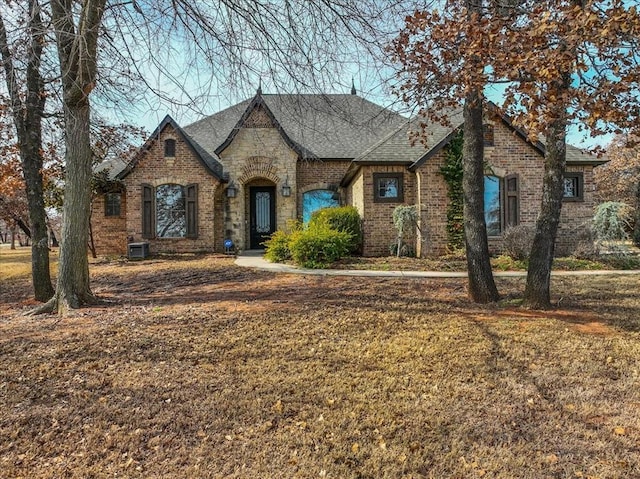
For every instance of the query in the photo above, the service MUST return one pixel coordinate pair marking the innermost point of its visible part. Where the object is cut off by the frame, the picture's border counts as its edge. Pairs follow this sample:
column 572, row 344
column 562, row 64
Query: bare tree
column 27, row 108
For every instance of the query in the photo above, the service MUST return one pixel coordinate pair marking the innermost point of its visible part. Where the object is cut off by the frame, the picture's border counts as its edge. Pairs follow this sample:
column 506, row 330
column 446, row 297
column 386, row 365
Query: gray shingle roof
column 321, row 126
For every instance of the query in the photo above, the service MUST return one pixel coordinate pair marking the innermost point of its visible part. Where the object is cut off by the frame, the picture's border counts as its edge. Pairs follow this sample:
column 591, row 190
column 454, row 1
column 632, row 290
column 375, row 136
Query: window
column 387, row 187
column 170, row 148
column 492, row 205
column 501, row 203
column 573, row 187
column 488, row 134
column 170, row 211
column 318, row 199
column 112, row 204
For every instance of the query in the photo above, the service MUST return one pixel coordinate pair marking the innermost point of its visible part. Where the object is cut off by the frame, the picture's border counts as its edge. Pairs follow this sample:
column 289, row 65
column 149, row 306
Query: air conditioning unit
column 138, row 250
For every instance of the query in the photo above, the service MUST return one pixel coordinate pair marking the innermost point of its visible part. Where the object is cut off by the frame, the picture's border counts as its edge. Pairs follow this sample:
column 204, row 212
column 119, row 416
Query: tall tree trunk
column 537, row 294
column 32, row 170
column 73, row 289
column 482, row 287
column 77, row 52
column 636, row 227
column 27, row 118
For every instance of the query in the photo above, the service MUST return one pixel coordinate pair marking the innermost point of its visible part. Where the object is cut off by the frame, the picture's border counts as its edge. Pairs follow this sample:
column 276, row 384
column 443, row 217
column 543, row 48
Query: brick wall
column 183, row 169
column 378, row 228
column 509, row 155
column 109, row 232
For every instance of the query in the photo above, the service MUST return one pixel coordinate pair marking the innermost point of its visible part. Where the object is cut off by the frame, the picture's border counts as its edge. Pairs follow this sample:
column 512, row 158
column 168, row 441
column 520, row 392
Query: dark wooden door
column 263, row 215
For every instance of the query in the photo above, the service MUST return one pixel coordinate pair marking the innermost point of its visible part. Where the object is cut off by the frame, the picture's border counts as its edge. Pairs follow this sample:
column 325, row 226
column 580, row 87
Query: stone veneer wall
column 183, row 169
column 258, row 155
column 109, row 232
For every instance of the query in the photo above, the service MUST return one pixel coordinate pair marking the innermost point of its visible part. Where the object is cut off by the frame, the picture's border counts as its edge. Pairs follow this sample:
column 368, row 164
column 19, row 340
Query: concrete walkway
column 254, row 259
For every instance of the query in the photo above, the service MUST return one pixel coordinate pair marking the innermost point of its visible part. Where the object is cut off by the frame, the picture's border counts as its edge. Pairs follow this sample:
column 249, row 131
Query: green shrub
column 345, row 219
column 277, row 247
column 318, row 245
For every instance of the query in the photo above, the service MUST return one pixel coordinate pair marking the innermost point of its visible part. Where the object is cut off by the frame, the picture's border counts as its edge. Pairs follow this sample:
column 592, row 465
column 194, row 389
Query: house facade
column 248, row 170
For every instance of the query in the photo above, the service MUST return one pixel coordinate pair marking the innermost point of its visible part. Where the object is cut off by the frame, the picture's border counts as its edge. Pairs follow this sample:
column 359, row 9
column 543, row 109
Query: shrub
column 517, row 241
column 318, row 245
column 277, row 247
column 345, row 219
column 612, row 221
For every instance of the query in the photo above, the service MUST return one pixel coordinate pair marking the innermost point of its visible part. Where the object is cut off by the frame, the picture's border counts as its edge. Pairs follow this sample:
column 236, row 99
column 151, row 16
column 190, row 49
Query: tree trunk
column 32, row 170
column 537, row 294
column 482, row 287
column 73, row 289
column 636, row 226
column 27, row 118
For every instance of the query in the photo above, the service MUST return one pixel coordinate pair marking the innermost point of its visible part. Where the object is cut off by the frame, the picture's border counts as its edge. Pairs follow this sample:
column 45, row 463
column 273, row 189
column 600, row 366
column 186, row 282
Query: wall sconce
column 286, row 189
column 231, row 190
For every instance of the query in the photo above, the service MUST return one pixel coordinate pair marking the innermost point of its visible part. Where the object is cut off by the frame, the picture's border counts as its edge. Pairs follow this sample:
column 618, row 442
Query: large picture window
column 169, row 211
column 317, row 199
column 501, row 203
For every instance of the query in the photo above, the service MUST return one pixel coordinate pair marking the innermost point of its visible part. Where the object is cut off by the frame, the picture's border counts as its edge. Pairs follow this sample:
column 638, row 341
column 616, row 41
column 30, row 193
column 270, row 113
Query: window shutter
column 192, row 211
column 512, row 200
column 148, row 215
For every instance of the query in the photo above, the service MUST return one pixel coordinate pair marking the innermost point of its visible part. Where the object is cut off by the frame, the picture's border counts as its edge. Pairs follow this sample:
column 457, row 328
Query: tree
column 561, row 62
column 302, row 41
column 27, row 108
column 434, row 75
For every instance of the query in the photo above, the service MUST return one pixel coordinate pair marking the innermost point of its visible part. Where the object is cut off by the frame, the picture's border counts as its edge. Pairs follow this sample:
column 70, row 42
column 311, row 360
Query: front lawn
column 196, row 368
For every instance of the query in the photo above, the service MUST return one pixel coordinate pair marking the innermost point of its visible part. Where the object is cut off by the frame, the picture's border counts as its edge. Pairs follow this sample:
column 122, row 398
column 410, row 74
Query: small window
column 488, row 134
column 573, row 187
column 112, row 204
column 170, row 148
column 388, row 187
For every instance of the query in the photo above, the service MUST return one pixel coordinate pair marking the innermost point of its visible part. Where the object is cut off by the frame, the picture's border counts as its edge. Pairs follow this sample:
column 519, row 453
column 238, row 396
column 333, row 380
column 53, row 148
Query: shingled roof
column 317, row 126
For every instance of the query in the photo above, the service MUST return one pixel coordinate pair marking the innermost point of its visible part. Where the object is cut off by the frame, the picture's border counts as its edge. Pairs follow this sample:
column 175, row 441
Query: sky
column 195, row 89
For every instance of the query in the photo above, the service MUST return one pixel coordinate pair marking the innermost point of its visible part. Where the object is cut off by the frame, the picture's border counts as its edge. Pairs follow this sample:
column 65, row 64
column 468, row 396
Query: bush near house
column 345, row 219
column 331, row 234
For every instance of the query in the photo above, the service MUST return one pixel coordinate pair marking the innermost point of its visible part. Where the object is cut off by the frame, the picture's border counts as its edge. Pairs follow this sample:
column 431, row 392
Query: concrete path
column 254, row 259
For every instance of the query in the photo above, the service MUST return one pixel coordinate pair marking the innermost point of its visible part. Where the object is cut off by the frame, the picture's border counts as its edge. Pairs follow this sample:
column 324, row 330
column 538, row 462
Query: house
column 248, row 170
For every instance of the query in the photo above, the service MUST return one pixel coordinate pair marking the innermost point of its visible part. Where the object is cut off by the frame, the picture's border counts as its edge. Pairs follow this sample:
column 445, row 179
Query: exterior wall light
column 231, row 190
column 286, row 189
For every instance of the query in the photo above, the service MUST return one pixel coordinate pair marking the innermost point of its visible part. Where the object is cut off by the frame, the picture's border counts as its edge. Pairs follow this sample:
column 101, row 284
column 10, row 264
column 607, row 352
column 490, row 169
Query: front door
column 263, row 214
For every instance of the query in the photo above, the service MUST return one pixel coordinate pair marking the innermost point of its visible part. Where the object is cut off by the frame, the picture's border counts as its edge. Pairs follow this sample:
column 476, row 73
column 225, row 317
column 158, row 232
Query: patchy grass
column 16, row 264
column 196, row 368
column 498, row 263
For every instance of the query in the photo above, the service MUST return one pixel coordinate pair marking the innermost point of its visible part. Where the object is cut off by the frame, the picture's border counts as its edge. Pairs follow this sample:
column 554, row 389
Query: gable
column 211, row 164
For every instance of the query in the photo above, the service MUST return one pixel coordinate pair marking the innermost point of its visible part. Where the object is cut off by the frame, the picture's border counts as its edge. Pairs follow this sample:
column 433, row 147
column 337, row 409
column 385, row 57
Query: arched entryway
column 260, row 212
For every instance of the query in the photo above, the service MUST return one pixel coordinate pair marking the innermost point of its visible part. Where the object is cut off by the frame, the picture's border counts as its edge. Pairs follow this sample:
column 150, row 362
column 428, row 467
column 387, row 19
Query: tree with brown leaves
column 561, row 62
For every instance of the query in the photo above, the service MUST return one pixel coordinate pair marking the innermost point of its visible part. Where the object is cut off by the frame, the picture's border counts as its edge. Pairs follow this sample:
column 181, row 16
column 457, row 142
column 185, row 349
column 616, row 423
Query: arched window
column 317, row 199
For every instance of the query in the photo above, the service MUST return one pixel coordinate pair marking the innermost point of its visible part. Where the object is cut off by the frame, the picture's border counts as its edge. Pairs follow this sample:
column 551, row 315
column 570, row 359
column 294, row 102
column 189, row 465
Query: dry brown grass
column 196, row 368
